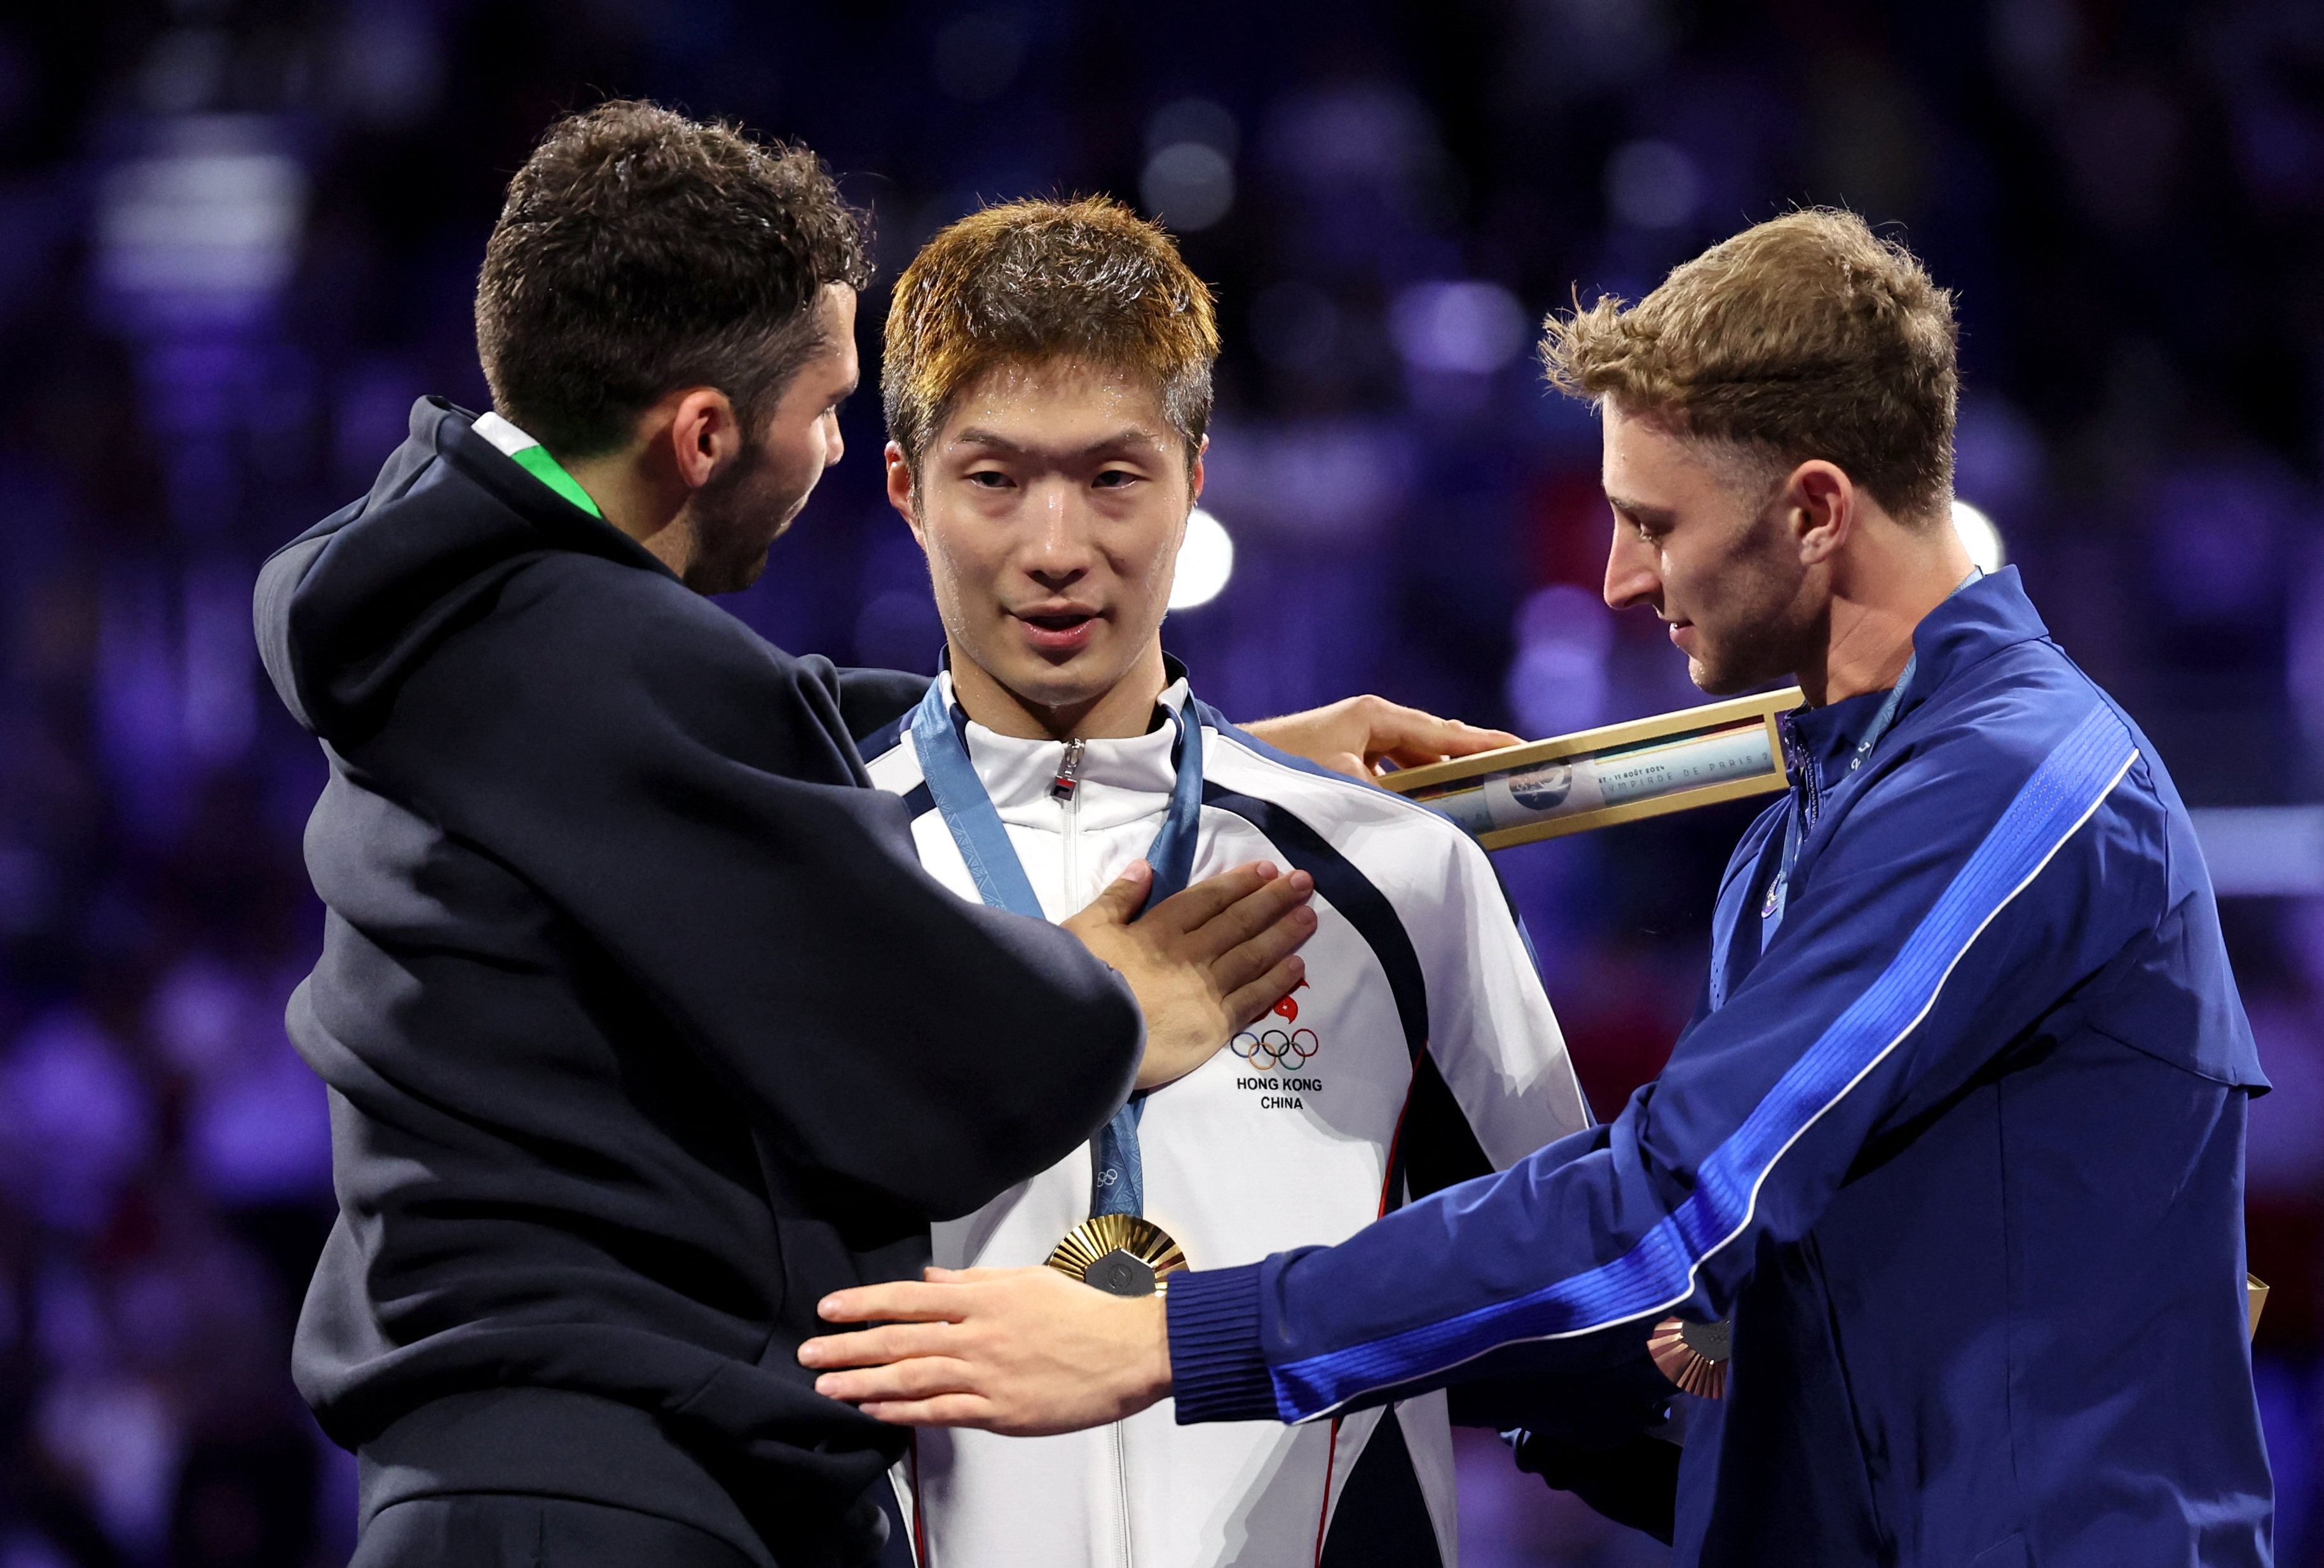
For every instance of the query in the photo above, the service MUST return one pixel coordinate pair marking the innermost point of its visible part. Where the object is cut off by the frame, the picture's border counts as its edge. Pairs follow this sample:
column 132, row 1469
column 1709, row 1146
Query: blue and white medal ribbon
column 1116, row 1250
column 1807, row 801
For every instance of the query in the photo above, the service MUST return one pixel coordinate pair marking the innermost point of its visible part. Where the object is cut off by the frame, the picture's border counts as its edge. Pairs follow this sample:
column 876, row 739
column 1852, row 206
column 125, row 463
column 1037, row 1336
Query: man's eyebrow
column 1639, row 509
column 1130, row 436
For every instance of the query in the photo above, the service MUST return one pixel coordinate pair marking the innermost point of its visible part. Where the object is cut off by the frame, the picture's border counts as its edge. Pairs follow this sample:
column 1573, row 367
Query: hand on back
column 1024, row 1351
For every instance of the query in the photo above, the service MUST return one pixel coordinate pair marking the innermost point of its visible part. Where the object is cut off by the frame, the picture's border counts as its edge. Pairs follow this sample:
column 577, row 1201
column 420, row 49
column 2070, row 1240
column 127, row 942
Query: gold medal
column 1694, row 1355
column 1120, row 1254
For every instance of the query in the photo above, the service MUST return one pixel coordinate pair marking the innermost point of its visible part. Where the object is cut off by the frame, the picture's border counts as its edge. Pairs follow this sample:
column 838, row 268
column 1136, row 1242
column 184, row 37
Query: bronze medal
column 1694, row 1355
column 1120, row 1254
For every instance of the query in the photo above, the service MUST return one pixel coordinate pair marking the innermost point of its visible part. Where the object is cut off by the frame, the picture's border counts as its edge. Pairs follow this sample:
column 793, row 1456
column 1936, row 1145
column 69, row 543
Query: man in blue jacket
column 1955, row 1136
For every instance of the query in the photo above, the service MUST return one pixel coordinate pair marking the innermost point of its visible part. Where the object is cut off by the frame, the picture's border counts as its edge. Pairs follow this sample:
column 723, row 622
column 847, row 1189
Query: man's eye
column 1114, row 478
column 989, row 479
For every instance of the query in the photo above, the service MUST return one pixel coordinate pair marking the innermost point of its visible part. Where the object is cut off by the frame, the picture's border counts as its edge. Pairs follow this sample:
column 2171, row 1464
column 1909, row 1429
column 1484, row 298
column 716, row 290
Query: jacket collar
column 452, row 431
column 1976, row 622
column 1124, row 779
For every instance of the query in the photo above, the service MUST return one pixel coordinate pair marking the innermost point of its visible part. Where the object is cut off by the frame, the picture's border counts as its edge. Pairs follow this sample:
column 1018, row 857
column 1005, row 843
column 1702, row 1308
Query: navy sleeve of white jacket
column 1995, row 867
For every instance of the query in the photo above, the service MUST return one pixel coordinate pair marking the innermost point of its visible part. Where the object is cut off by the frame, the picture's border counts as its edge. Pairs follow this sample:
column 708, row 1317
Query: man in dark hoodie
column 643, row 1028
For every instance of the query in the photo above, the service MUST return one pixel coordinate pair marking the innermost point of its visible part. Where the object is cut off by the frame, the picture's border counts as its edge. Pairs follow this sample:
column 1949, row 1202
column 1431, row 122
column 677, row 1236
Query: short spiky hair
column 639, row 253
column 1806, row 337
column 1032, row 281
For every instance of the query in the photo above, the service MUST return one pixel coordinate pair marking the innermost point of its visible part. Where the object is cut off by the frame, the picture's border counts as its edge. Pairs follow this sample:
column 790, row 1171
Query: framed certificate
column 1722, row 750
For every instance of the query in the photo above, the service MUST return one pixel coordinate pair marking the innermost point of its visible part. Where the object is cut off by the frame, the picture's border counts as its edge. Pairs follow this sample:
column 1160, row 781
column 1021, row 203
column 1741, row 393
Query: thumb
column 1124, row 897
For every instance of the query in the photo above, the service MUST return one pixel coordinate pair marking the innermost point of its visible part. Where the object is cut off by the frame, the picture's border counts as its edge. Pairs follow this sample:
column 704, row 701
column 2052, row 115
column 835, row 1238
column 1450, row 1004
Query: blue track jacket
column 1960, row 1152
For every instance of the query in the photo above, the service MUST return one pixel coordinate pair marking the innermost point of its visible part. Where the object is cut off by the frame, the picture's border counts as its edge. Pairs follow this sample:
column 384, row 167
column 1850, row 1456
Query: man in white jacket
column 1047, row 385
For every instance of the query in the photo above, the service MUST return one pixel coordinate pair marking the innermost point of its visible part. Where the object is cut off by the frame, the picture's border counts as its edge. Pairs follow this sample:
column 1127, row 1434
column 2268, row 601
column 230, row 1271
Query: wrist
column 1134, row 1354
column 1156, row 1359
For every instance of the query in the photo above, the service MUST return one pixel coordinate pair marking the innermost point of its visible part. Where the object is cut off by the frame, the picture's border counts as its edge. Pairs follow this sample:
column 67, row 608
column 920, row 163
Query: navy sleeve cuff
column 1217, row 1369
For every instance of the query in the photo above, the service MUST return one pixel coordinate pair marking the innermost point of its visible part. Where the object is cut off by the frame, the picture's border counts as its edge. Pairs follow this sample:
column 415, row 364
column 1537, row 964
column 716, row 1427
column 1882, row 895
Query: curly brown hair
column 639, row 253
column 1027, row 281
column 1804, row 336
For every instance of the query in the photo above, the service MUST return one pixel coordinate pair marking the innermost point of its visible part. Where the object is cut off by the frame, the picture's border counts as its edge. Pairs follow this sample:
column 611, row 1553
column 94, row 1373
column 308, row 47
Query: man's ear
column 901, row 495
column 1195, row 474
column 704, row 435
column 1820, row 505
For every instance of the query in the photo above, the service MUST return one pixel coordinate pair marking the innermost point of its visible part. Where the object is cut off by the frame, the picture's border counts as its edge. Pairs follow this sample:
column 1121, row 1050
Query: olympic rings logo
column 1275, row 1050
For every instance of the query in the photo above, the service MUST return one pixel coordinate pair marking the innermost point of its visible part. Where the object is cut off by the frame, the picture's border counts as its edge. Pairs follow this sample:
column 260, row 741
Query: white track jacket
column 1420, row 1050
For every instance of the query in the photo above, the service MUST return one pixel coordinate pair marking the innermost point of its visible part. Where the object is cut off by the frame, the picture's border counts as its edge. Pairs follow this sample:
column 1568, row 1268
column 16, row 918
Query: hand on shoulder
column 1356, row 735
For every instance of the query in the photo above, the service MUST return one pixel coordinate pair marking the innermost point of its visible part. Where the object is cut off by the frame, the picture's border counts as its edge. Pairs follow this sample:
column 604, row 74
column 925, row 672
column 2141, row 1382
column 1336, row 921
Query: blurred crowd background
column 238, row 237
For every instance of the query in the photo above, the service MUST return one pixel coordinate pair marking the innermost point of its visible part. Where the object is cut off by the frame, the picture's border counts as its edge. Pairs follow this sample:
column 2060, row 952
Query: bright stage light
column 1205, row 562
column 1978, row 536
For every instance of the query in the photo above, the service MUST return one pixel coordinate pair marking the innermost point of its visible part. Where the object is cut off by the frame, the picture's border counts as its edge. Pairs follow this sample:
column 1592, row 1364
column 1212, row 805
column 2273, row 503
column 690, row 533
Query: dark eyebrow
column 1130, row 436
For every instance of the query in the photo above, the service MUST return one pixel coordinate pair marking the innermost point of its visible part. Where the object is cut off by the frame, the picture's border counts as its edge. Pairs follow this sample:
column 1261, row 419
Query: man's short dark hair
column 639, row 253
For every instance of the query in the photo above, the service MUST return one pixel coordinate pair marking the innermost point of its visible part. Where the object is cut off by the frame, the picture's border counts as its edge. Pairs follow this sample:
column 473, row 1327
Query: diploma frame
column 1435, row 777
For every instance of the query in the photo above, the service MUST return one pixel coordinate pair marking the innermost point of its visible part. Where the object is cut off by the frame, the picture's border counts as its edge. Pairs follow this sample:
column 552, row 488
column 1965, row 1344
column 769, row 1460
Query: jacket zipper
column 1066, row 790
column 1122, row 1494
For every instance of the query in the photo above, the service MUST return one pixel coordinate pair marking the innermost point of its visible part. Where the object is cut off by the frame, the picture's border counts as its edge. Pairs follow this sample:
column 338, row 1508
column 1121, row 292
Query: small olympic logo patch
column 1273, row 1049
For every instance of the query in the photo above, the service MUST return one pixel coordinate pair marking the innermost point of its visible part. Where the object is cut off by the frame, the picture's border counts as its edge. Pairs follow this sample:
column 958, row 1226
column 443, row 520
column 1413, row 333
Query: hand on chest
column 1333, row 1056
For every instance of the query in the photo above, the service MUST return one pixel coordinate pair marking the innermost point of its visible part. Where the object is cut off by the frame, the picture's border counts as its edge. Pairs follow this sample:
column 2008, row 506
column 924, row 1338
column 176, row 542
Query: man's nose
column 1631, row 578
column 1058, row 551
column 835, row 447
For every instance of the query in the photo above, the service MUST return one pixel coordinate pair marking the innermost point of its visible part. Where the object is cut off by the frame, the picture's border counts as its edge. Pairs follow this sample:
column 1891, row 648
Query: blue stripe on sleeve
column 1659, row 1272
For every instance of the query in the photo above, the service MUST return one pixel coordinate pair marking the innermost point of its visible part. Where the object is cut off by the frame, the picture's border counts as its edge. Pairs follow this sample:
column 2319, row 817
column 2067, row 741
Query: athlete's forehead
column 1653, row 472
column 1060, row 408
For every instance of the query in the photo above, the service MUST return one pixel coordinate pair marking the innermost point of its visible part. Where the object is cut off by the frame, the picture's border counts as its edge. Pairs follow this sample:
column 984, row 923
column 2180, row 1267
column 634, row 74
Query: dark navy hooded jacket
column 643, row 1027
column 1960, row 1153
